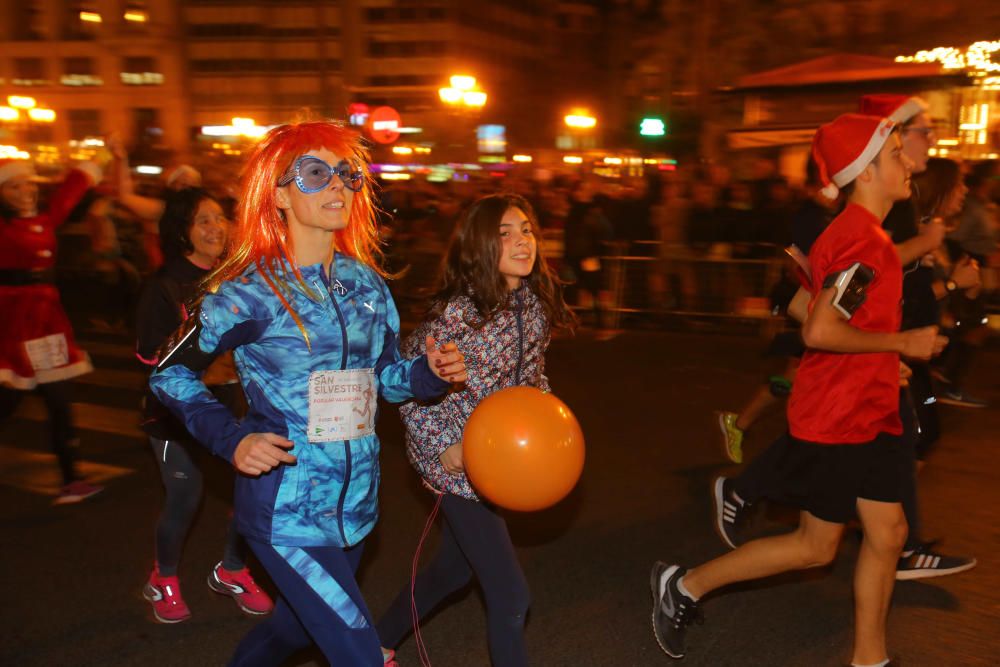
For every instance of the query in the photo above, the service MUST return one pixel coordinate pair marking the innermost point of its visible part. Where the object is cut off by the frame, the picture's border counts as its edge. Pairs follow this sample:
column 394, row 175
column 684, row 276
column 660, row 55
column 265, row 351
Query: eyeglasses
column 926, row 131
column 312, row 175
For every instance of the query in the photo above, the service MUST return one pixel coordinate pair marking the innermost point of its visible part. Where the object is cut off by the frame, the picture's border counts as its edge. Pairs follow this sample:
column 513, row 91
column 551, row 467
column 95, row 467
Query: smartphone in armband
column 852, row 288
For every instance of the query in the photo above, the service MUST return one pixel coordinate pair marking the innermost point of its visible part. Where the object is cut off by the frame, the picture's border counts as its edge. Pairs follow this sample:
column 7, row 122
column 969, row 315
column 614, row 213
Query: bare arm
column 826, row 329
column 798, row 307
column 146, row 208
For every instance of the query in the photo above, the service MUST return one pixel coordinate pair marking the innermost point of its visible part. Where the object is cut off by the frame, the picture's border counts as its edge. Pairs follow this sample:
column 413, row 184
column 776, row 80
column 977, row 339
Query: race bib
column 341, row 404
column 48, row 352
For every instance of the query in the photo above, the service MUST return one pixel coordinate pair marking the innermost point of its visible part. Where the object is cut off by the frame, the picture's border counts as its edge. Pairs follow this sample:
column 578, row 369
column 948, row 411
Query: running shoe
column 164, row 593
column 961, row 399
column 924, row 563
column 732, row 437
column 75, row 492
column 672, row 610
column 389, row 658
column 241, row 587
column 730, row 510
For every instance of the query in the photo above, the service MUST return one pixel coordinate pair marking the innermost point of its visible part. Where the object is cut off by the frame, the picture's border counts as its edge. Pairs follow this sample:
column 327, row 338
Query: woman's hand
column 452, row 461
column 258, row 453
column 446, row 361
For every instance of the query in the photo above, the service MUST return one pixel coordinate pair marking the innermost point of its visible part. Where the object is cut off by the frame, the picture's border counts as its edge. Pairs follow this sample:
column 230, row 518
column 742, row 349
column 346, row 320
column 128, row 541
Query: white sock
column 684, row 591
column 877, row 664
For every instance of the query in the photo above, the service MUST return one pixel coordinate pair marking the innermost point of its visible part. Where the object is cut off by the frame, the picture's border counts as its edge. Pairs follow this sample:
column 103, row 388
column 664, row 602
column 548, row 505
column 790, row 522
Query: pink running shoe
column 75, row 492
column 241, row 587
column 389, row 658
column 164, row 593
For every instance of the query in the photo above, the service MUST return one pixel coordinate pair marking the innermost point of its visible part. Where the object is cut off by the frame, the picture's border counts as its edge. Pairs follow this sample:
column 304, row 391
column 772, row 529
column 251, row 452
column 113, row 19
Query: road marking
column 87, row 416
column 39, row 473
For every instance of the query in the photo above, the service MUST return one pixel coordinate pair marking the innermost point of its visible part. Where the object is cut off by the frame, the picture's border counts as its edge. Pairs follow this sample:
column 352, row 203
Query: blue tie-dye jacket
column 328, row 497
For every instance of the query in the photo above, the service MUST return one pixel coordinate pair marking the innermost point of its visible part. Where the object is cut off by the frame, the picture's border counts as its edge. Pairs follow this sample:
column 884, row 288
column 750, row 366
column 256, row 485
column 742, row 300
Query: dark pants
column 319, row 602
column 182, row 481
column 62, row 437
column 474, row 541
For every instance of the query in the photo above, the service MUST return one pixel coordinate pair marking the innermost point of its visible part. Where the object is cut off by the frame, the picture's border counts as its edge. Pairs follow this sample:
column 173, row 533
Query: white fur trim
column 17, row 168
column 908, row 110
column 875, row 143
column 10, row 379
column 830, row 191
column 91, row 169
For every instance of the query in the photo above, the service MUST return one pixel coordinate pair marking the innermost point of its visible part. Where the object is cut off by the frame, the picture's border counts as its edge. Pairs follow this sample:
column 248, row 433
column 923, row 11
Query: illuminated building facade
column 99, row 65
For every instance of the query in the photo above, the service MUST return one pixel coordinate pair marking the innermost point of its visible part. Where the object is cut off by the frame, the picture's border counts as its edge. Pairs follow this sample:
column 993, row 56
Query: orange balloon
column 523, row 449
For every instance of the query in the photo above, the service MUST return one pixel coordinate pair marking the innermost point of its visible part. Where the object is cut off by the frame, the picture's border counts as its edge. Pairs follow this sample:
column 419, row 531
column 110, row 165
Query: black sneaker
column 730, row 510
column 672, row 610
column 924, row 563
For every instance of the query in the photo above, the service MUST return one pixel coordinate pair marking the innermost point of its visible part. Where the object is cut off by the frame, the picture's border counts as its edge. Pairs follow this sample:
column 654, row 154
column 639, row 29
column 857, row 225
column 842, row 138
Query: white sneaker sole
column 910, row 575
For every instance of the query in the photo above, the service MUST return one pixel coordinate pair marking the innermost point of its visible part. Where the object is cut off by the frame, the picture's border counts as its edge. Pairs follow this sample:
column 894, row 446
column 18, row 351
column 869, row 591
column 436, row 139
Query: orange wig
column 261, row 234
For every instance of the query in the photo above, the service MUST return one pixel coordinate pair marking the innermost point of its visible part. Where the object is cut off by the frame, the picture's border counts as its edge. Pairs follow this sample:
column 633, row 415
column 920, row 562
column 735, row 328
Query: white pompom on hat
column 842, row 149
column 898, row 108
column 182, row 170
column 11, row 168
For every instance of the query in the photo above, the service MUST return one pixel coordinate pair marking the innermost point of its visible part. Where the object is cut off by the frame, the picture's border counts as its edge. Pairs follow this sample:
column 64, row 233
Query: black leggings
column 474, row 540
column 183, row 484
column 62, row 437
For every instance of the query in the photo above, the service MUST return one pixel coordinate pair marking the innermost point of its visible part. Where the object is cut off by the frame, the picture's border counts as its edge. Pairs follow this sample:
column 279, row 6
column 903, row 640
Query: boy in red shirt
column 845, row 459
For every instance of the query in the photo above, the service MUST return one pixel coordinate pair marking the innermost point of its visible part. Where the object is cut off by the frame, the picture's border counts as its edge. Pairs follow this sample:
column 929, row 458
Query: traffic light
column 652, row 127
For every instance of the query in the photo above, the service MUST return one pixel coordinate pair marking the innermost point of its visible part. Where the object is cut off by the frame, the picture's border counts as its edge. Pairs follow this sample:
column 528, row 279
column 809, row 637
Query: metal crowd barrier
column 647, row 283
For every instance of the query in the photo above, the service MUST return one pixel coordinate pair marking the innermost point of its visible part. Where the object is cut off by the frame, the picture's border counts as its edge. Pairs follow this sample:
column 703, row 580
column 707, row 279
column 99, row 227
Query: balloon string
column 425, row 658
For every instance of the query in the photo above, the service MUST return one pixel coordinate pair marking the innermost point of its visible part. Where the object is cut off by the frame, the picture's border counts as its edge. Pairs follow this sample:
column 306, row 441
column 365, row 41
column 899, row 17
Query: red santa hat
column 11, row 168
column 842, row 149
column 898, row 108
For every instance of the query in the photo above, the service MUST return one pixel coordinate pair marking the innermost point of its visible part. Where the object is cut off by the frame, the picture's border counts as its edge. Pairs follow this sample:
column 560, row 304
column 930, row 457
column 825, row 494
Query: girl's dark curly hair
column 472, row 265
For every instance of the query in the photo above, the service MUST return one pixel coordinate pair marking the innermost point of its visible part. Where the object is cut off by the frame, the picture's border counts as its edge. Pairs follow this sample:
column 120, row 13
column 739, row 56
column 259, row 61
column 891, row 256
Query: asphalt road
column 72, row 575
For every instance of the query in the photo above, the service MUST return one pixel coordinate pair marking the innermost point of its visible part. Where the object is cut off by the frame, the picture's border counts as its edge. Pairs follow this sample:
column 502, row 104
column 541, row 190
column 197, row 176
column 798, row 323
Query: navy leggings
column 319, row 602
column 182, row 481
column 474, row 540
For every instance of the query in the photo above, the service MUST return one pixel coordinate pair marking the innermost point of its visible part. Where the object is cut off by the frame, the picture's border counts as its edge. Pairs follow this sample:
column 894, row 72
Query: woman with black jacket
column 193, row 232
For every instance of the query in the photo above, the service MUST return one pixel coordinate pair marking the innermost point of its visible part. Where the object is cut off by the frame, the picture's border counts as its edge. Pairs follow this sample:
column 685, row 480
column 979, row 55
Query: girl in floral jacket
column 498, row 303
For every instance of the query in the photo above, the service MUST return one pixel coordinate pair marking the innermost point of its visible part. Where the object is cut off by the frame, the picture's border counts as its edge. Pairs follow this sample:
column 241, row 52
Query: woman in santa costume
column 37, row 348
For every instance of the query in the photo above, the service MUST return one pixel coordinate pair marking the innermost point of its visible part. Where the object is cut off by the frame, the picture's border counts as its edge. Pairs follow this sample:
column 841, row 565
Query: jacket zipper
column 520, row 336
column 347, row 448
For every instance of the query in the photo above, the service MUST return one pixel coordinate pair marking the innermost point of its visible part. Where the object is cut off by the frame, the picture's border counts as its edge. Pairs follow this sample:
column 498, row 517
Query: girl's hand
column 452, row 461
column 258, row 453
column 446, row 361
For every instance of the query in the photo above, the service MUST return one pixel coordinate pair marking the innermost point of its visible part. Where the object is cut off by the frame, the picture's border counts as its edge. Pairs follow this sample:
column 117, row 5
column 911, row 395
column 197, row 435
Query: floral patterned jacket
column 508, row 351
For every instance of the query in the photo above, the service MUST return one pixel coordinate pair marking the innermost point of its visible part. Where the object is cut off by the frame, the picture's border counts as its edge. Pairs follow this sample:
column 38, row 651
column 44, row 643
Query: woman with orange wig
column 301, row 302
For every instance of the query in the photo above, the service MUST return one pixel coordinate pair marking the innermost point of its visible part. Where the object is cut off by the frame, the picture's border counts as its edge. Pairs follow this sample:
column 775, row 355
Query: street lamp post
column 464, row 98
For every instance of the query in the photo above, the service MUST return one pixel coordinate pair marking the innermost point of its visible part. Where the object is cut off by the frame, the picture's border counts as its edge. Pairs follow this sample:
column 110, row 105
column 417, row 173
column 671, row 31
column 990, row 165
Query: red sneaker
column 389, row 658
column 241, row 587
column 164, row 593
column 75, row 492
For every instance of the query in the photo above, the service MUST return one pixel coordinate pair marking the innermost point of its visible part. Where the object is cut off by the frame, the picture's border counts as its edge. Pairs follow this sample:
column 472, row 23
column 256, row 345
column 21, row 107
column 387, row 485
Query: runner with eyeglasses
column 301, row 302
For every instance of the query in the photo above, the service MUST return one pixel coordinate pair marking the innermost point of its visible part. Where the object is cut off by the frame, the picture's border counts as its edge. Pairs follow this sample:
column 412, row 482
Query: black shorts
column 827, row 480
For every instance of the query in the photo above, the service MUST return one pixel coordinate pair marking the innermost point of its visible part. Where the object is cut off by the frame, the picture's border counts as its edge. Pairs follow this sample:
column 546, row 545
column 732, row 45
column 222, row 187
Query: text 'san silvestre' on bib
column 341, row 404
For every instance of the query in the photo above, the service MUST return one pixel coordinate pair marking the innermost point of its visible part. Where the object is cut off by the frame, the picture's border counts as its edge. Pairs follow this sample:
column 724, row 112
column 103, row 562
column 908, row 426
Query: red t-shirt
column 850, row 398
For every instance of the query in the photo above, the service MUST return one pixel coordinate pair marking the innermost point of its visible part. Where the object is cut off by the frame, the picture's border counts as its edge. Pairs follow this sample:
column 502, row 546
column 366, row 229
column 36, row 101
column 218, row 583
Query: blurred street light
column 580, row 119
column 9, row 114
column 462, row 92
column 42, row 115
column 21, row 102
